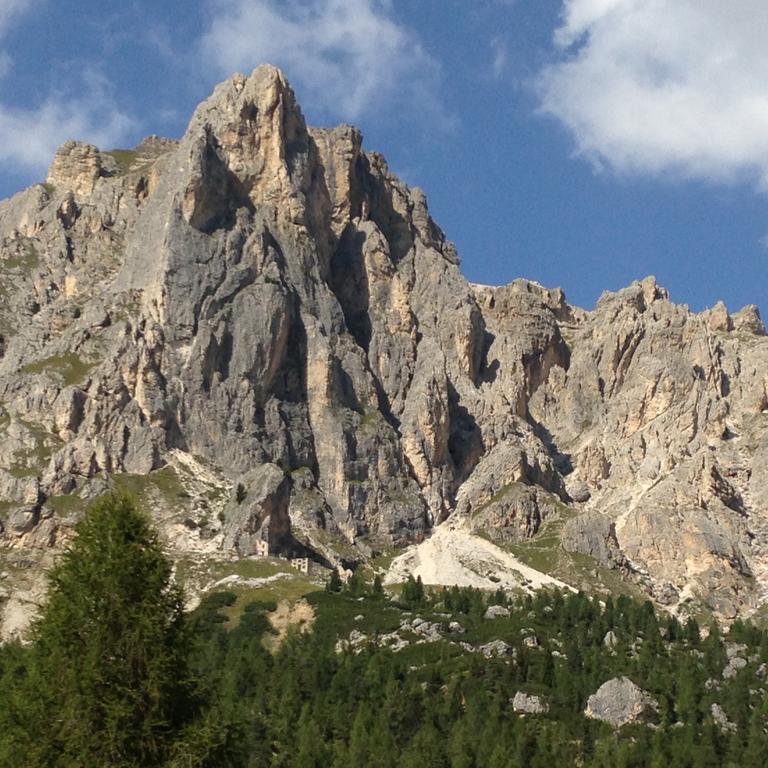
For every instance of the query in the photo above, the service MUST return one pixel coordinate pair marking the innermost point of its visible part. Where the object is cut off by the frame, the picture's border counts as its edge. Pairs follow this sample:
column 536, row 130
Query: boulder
column 495, row 648
column 620, row 702
column 529, row 704
column 721, row 719
column 496, row 612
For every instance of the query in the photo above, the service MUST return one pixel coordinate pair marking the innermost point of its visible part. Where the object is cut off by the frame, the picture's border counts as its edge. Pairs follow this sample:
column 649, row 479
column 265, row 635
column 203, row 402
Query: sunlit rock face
column 262, row 310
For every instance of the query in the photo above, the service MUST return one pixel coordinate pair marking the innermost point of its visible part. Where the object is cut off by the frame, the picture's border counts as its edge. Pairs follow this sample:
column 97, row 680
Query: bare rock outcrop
column 271, row 302
column 76, row 168
column 529, row 704
column 593, row 533
column 257, row 520
column 660, row 415
column 620, row 702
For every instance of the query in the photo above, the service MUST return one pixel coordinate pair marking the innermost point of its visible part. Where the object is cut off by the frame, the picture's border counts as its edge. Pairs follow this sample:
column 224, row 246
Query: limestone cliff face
column 265, row 308
column 661, row 417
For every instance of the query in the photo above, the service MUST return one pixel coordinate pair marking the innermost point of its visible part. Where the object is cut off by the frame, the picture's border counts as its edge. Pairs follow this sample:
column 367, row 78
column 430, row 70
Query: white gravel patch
column 454, row 556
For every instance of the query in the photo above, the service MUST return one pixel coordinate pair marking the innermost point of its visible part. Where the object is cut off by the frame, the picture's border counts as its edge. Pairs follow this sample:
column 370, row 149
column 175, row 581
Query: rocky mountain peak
column 265, row 318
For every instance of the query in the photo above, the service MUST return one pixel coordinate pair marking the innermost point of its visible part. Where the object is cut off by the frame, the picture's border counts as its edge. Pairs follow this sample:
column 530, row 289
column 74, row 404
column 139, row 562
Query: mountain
column 261, row 331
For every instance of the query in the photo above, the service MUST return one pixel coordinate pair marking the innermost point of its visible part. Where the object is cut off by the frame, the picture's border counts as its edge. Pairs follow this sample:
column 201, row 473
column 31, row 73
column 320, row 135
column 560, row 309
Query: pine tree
column 310, row 748
column 107, row 683
column 356, row 584
column 757, row 739
column 334, row 582
column 413, row 591
column 425, row 750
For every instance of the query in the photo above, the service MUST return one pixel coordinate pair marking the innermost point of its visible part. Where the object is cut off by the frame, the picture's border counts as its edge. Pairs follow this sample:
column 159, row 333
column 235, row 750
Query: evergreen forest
column 118, row 674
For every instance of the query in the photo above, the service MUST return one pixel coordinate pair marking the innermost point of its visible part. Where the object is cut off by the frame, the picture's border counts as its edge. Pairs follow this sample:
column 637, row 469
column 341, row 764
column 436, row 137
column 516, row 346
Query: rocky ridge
column 263, row 331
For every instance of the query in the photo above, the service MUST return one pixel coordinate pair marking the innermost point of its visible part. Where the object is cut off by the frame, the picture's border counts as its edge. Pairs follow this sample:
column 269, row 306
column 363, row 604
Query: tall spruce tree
column 106, row 680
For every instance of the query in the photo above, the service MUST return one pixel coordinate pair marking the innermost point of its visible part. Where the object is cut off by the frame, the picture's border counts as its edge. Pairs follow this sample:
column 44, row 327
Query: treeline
column 310, row 705
column 204, row 693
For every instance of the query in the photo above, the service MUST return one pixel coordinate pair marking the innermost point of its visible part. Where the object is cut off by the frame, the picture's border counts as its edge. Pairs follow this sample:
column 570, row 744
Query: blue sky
column 580, row 143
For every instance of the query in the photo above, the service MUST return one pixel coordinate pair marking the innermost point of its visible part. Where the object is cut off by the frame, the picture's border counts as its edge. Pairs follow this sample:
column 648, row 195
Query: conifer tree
column 107, row 682
column 334, row 582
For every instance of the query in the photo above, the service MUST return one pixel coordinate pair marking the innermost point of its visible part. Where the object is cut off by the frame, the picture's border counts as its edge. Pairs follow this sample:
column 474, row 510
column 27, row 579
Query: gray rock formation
column 264, row 306
column 529, row 704
column 721, row 719
column 593, row 533
column 734, row 665
column 262, row 514
column 620, row 702
column 495, row 648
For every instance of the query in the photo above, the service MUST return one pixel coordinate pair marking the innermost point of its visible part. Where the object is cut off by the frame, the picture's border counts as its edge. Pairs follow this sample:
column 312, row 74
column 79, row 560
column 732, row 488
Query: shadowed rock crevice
column 385, row 210
column 349, row 282
column 214, row 201
column 465, row 443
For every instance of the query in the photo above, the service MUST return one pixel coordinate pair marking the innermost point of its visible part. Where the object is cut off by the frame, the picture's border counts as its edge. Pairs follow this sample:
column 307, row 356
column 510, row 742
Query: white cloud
column 659, row 86
column 10, row 9
column 500, row 54
column 348, row 57
column 30, row 135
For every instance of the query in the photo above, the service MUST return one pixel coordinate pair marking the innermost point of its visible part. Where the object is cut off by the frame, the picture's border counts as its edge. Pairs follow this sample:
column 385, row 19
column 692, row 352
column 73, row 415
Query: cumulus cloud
column 348, row 57
column 30, row 135
column 664, row 86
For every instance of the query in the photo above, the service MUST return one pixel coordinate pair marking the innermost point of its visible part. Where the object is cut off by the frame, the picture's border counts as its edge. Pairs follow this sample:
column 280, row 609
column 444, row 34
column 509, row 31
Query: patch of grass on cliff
column 20, row 472
column 125, row 310
column 125, row 158
column 369, row 423
column 165, row 481
column 27, row 259
column 35, row 458
column 498, row 496
column 585, row 573
column 545, row 553
column 382, row 561
column 66, row 505
column 338, row 544
column 69, row 366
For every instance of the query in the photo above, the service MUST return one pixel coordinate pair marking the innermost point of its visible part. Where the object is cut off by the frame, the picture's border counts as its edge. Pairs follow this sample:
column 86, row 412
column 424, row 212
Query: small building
column 261, row 548
column 300, row 564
